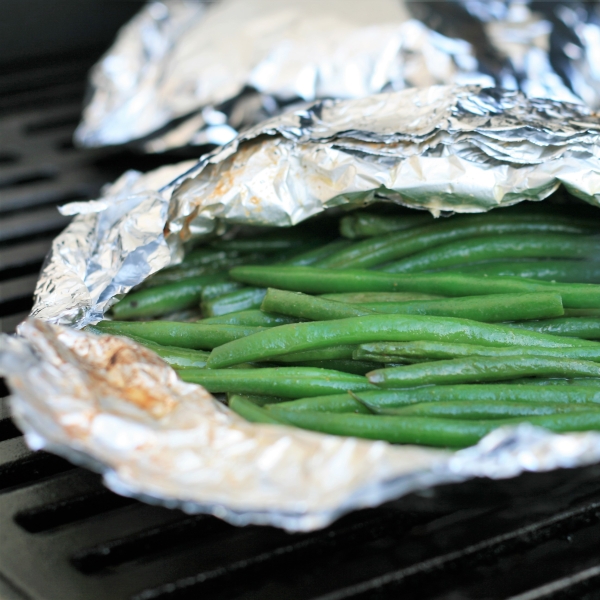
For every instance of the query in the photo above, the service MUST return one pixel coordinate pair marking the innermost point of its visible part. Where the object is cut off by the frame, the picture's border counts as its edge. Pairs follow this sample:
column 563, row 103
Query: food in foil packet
column 366, row 350
column 184, row 73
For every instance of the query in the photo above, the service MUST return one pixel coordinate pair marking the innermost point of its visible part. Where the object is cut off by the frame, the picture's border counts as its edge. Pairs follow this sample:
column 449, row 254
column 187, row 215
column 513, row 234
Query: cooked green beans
column 330, row 403
column 252, row 318
column 566, row 271
column 484, row 368
column 244, row 407
column 574, row 327
column 258, row 400
column 389, row 352
column 490, row 309
column 374, row 328
column 243, row 299
column 321, row 281
column 358, row 367
column 164, row 299
column 484, row 410
column 500, row 393
column 341, row 351
column 182, row 335
column 427, row 431
column 361, row 225
column 215, row 290
column 317, row 254
column 365, row 297
column 286, row 382
column 533, row 245
column 375, row 251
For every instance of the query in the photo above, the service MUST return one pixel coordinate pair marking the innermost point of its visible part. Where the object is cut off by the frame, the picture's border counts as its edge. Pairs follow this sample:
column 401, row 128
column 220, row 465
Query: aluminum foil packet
column 183, row 72
column 107, row 403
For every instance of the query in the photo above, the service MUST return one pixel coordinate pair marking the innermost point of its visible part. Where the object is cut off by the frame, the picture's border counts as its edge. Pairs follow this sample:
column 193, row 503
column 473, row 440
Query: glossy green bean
column 258, row 400
column 315, row 255
column 427, row 431
column 357, row 367
column 481, row 368
column 375, row 328
column 551, row 381
column 533, row 245
column 393, row 246
column 303, row 306
column 340, row 351
column 500, row 393
column 320, row 281
column 285, row 382
column 251, row 318
column 339, row 403
column 244, row 299
column 479, row 409
column 215, row 290
column 573, row 327
column 565, row 271
column 252, row 412
column 423, row 351
column 164, row 299
column 181, row 335
column 366, row 297
column 494, row 308
column 362, row 225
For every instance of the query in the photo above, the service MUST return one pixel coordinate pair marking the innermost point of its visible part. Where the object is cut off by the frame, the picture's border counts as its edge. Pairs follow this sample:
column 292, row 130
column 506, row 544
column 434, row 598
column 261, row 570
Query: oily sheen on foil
column 110, row 404
column 187, row 72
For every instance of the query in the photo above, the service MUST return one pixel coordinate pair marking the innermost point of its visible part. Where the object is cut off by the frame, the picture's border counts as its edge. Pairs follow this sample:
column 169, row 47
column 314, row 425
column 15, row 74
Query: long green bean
column 251, row 318
column 357, row 367
column 389, row 352
column 427, row 431
column 340, row 351
column 321, row 281
column 376, row 251
column 251, row 412
column 317, row 254
column 258, row 400
column 481, row 368
column 375, row 328
column 565, row 271
column 533, row 245
column 366, row 297
column 361, row 225
column 215, row 290
column 182, row 335
column 285, row 382
column 161, row 300
column 574, row 327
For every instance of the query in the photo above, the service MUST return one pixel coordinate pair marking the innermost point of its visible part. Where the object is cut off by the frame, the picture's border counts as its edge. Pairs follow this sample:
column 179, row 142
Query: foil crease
column 183, row 74
column 113, row 406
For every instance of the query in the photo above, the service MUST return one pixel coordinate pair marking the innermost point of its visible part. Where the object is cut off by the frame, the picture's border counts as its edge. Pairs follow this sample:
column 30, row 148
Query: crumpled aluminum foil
column 183, row 74
column 114, row 406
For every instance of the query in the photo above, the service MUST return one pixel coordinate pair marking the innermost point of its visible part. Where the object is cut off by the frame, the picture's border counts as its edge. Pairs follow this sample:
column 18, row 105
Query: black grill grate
column 63, row 535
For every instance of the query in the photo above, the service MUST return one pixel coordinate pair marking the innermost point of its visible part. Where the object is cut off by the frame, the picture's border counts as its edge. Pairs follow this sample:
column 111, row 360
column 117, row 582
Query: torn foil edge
column 508, row 132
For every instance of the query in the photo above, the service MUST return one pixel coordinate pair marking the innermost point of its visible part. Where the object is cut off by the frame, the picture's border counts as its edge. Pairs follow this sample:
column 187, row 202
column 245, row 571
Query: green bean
column 178, row 358
column 309, row 307
column 358, row 367
column 565, row 271
column 491, row 309
column 252, row 318
column 366, row 297
column 163, row 299
column 427, row 431
column 331, row 403
column 578, row 382
column 286, row 382
column 315, row 255
column 424, row 351
column 376, row 328
column 341, row 351
column 243, row 299
column 504, row 392
column 534, row 245
column 484, row 368
column 483, row 410
column 361, row 225
column 181, row 335
column 217, row 290
column 258, row 400
column 573, row 327
column 321, row 281
column 393, row 246
column 251, row 411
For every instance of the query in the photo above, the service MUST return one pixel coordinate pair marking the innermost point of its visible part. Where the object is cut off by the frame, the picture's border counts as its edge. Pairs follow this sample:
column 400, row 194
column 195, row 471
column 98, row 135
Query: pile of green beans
column 397, row 326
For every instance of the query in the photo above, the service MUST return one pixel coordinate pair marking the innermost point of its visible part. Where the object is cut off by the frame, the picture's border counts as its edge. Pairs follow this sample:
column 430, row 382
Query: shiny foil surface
column 109, row 404
column 183, row 72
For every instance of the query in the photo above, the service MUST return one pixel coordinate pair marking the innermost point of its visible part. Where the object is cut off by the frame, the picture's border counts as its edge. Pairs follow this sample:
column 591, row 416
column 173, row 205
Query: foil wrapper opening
column 183, row 72
column 109, row 404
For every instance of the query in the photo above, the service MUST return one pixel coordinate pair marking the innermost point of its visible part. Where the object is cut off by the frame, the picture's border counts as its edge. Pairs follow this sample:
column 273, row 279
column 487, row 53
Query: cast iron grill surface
column 64, row 536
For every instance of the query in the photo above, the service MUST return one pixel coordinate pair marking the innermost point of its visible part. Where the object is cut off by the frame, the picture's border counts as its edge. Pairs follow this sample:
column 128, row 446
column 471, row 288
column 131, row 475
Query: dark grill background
column 64, row 536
